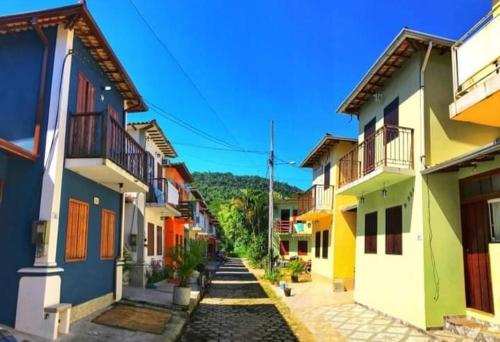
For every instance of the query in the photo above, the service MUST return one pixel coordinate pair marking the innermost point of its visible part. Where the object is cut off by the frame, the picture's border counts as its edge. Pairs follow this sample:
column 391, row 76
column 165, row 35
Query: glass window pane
column 495, row 180
column 495, row 221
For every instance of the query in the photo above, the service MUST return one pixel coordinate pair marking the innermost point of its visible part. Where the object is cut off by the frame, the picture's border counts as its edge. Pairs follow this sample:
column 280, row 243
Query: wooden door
column 475, row 236
column 369, row 147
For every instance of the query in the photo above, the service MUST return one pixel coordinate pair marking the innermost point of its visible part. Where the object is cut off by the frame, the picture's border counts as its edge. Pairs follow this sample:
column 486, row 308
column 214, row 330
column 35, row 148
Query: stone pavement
column 334, row 316
column 237, row 309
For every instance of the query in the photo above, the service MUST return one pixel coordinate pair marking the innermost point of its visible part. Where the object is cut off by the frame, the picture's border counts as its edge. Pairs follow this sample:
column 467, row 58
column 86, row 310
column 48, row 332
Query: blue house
column 66, row 161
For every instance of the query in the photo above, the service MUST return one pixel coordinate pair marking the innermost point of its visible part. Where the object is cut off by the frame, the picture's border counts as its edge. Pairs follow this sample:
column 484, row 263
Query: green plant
column 127, row 260
column 185, row 260
column 296, row 267
column 273, row 276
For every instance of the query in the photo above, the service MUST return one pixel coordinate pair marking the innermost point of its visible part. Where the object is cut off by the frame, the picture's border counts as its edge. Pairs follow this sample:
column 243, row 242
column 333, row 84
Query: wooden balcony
column 99, row 148
column 187, row 209
column 382, row 159
column 283, row 227
column 315, row 203
column 163, row 197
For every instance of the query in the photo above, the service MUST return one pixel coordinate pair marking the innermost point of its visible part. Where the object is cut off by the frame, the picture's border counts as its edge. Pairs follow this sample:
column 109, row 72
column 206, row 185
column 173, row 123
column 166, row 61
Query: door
column 475, row 235
column 285, row 214
column 369, row 147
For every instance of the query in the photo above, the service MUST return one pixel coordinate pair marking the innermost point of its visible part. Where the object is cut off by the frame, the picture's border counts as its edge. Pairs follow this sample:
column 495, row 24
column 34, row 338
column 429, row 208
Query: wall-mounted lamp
column 106, row 88
column 384, row 192
column 378, row 96
column 362, row 200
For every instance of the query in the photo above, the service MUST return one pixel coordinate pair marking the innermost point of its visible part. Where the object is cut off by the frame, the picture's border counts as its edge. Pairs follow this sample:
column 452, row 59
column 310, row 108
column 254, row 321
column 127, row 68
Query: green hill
column 218, row 187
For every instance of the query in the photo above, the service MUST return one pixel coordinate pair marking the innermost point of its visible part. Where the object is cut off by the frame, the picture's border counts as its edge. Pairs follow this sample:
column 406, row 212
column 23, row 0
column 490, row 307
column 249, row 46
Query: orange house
column 179, row 175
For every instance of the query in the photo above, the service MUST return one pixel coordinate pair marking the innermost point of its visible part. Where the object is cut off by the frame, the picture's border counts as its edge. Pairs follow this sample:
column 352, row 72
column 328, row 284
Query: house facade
column 63, row 140
column 292, row 237
column 410, row 241
column 145, row 212
column 332, row 215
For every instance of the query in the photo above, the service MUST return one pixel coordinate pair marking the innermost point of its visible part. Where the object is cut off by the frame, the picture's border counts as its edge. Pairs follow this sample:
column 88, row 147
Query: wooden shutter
column 284, row 247
column 159, row 241
column 108, row 218
column 151, row 239
column 391, row 118
column 371, row 233
column 317, row 244
column 302, row 247
column 77, row 231
column 326, row 241
column 394, row 230
column 327, row 176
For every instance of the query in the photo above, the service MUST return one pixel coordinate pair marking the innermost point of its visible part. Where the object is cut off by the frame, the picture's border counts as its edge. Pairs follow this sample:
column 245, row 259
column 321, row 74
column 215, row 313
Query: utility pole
column 271, row 200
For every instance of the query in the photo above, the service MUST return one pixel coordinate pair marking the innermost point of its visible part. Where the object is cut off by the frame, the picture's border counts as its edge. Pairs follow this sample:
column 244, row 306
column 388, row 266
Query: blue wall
column 21, row 65
column 20, row 60
column 82, row 281
column 85, row 280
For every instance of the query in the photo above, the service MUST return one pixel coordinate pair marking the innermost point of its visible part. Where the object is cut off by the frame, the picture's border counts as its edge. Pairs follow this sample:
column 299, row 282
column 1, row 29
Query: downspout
column 423, row 156
column 41, row 92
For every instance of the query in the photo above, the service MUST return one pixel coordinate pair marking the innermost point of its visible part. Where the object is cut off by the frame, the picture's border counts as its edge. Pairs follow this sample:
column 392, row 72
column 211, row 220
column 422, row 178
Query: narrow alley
column 237, row 308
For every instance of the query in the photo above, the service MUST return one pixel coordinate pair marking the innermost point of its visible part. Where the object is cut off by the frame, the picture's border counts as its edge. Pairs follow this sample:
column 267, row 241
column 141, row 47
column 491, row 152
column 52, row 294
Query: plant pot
column 295, row 279
column 288, row 291
column 182, row 295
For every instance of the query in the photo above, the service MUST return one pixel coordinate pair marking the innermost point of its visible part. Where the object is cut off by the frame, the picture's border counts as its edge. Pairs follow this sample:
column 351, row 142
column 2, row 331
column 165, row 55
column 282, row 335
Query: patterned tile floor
column 352, row 321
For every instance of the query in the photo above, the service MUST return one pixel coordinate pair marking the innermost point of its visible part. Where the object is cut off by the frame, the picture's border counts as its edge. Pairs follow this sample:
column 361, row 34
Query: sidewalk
column 333, row 316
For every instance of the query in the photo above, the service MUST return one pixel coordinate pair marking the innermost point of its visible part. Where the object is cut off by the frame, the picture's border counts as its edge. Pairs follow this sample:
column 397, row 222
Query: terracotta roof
column 78, row 18
column 183, row 170
column 155, row 132
column 395, row 55
column 322, row 147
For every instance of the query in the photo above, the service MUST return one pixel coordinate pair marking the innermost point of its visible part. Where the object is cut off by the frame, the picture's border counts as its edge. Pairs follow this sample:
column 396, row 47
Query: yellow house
column 406, row 172
column 333, row 216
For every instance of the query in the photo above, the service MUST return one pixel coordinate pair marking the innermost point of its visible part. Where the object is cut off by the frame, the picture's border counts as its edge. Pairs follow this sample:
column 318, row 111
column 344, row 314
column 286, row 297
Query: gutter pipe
column 423, row 156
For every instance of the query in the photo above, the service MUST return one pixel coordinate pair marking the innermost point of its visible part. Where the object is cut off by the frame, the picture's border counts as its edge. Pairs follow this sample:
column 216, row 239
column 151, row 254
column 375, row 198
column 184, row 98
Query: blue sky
column 287, row 60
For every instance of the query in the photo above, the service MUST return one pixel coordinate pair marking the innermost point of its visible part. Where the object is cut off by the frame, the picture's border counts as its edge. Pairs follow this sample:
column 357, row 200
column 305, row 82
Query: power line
column 195, row 86
column 218, row 148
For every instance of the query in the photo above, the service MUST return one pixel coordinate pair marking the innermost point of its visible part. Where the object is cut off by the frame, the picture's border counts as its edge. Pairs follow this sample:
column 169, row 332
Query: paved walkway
column 237, row 309
column 335, row 317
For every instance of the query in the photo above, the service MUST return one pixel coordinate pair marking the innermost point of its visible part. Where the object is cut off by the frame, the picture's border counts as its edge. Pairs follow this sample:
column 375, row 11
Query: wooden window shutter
column 327, row 176
column 151, row 239
column 371, row 233
column 108, row 219
column 284, row 247
column 317, row 244
column 391, row 118
column 159, row 241
column 77, row 231
column 302, row 247
column 394, row 230
column 326, row 241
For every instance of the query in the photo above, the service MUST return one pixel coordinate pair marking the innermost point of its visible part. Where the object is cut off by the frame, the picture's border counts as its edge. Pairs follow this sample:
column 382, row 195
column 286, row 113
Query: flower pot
column 182, row 295
column 295, row 279
column 288, row 291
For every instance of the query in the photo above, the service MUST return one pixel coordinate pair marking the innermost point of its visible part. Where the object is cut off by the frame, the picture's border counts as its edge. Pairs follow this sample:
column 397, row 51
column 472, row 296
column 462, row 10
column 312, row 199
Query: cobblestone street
column 237, row 309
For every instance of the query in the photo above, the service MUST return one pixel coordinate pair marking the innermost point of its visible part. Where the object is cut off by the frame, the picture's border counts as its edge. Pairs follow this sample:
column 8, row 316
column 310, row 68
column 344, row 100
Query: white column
column 40, row 286
column 119, row 260
column 54, row 158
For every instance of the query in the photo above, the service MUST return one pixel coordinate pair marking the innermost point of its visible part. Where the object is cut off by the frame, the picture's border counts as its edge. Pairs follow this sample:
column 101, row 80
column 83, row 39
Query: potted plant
column 185, row 261
column 296, row 268
column 127, row 261
column 273, row 277
column 288, row 291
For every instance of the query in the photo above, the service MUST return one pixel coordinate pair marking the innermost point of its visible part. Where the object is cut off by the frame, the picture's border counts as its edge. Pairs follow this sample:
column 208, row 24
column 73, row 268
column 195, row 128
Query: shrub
column 273, row 276
column 296, row 267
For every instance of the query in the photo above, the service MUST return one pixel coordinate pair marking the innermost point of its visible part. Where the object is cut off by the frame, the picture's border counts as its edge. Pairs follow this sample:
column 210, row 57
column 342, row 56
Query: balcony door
column 369, row 147
column 84, row 130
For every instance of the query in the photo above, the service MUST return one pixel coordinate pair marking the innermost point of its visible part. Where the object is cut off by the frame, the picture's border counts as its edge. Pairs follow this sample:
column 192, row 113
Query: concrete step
column 472, row 328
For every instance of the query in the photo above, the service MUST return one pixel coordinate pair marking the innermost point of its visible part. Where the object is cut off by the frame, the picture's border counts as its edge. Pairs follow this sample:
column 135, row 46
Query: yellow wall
column 446, row 138
column 344, row 241
column 322, row 269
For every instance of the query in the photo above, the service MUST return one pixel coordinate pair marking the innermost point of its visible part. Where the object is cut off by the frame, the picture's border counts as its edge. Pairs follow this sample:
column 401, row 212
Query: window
column 284, row 247
column 494, row 219
column 371, row 233
column 326, row 242
column 285, row 214
column 327, row 176
column 84, row 135
column 317, row 244
column 151, row 239
column 107, row 234
column 159, row 240
column 394, row 230
column 391, row 118
column 302, row 247
column 76, row 230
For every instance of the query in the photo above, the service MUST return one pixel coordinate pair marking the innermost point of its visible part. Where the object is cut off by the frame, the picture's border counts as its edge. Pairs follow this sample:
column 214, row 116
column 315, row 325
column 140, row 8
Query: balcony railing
column 389, row 146
column 283, row 227
column 317, row 197
column 161, row 191
column 98, row 135
column 187, row 209
column 476, row 56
